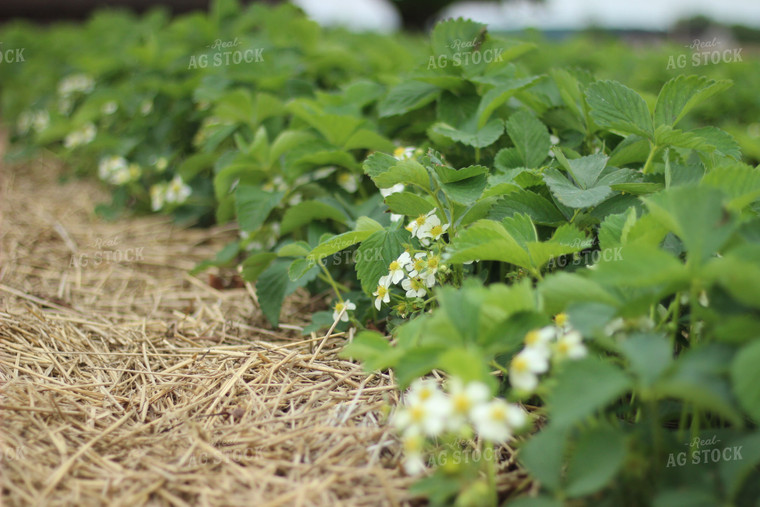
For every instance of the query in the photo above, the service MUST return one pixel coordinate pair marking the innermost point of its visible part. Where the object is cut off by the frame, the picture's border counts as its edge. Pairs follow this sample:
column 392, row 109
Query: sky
column 380, row 15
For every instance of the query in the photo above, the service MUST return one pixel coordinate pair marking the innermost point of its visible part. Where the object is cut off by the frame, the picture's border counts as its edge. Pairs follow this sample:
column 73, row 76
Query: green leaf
column 375, row 255
column 365, row 227
column 704, row 228
column 560, row 289
column 570, row 195
column 499, row 94
column 446, row 34
column 274, row 285
column 466, row 364
column 698, row 377
column 681, row 94
column 407, row 96
column 308, row 211
column 649, row 356
column 372, row 349
column 741, row 183
column 409, row 172
column 539, row 209
column 465, row 185
column 639, row 265
column 295, row 249
column 470, row 135
column 597, row 458
column 253, row 206
column 409, row 204
column 542, row 455
column 254, row 265
column 368, row 140
column 530, row 137
column 583, row 387
column 745, row 377
column 617, row 107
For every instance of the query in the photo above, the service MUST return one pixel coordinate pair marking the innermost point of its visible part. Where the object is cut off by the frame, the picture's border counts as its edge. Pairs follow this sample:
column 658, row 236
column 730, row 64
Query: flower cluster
column 80, row 137
column 551, row 343
column 416, row 274
column 75, row 83
column 430, row 412
column 174, row 192
column 427, row 227
column 33, row 120
column 117, row 171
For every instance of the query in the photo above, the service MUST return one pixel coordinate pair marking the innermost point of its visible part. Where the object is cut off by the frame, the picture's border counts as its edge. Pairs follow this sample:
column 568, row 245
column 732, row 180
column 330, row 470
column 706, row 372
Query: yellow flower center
column 436, row 230
column 563, row 347
column 461, row 404
column 394, row 266
column 417, row 413
column 381, row 291
column 560, row 319
column 421, row 220
column 339, row 307
column 419, row 264
column 398, row 152
column 417, row 284
column 498, row 414
column 520, row 364
column 425, row 394
column 532, row 337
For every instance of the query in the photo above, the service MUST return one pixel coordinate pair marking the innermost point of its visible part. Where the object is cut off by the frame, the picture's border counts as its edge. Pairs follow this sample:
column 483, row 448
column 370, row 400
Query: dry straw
column 126, row 381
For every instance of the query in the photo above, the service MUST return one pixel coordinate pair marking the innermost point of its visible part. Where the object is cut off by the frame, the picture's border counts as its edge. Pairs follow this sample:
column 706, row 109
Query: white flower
column 338, row 310
column 418, row 264
column 414, row 287
column 295, row 199
column 40, row 120
column 432, row 265
column 84, row 135
column 396, row 217
column 113, row 169
column 426, row 416
column 464, row 399
column 75, row 83
column 524, row 369
column 431, row 229
column 540, row 339
column 403, row 153
column 161, row 164
column 422, row 390
column 554, row 139
column 396, row 271
column 349, row 182
column 157, row 196
column 146, row 107
column 323, row 173
column 496, row 420
column 177, row 192
column 398, row 187
column 382, row 294
column 405, row 260
column 570, row 345
column 420, row 222
column 109, row 107
column 413, row 444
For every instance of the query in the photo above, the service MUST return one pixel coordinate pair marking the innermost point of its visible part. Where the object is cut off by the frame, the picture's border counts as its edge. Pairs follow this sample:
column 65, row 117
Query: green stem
column 650, row 158
column 491, row 472
column 327, row 277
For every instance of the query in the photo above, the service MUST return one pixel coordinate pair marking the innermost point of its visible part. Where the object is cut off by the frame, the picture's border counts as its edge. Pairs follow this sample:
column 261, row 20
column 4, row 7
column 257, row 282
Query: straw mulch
column 126, row 381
